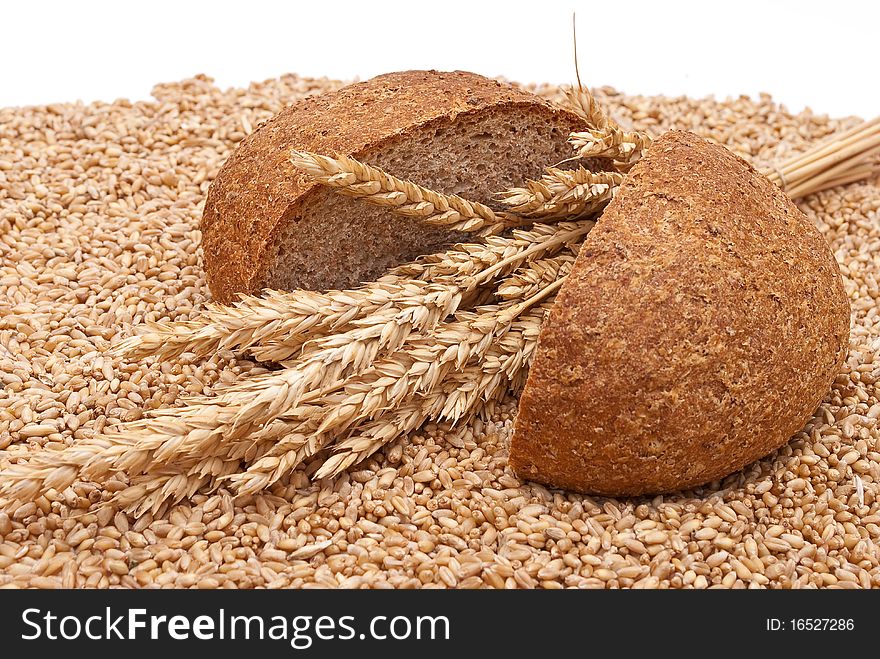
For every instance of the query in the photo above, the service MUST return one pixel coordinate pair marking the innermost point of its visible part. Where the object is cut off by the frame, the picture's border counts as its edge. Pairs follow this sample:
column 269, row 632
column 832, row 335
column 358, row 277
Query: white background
column 819, row 54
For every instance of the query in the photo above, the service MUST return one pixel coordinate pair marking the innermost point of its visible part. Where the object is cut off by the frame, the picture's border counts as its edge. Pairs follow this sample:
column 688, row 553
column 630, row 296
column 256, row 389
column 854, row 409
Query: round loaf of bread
column 265, row 224
column 703, row 322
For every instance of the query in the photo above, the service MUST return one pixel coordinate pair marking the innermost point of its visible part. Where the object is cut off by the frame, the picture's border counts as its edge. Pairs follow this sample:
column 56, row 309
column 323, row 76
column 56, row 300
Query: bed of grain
column 99, row 208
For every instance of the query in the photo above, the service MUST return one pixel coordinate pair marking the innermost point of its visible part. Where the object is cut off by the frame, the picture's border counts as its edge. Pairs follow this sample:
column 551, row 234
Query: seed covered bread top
column 258, row 191
column 703, row 322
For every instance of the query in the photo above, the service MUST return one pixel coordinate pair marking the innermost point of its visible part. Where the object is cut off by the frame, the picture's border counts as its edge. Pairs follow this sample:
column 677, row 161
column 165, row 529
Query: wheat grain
column 98, row 231
column 57, row 472
column 350, row 177
column 528, row 281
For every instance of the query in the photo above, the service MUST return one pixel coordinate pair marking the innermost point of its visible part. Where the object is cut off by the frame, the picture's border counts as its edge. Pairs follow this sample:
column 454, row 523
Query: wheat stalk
column 449, row 371
column 275, row 327
column 171, row 482
column 474, row 395
column 352, row 178
column 425, row 365
column 498, row 371
column 419, row 370
column 846, row 157
column 151, row 493
column 423, row 383
column 270, row 406
column 604, row 138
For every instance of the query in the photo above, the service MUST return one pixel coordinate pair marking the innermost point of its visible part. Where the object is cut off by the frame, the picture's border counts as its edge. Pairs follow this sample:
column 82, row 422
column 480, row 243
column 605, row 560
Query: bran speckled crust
column 259, row 225
column 703, row 322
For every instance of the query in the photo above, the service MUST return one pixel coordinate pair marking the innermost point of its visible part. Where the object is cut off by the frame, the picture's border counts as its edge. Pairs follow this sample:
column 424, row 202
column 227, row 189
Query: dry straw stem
column 843, row 158
column 275, row 327
column 349, row 177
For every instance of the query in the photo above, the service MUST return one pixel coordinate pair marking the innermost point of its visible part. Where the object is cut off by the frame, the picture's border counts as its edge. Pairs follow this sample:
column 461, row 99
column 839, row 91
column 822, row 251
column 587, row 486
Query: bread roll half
column 265, row 224
column 704, row 320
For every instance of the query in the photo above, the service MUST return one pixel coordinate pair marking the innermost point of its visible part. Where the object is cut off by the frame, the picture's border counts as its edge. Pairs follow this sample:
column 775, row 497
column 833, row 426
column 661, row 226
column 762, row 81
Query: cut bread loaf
column 266, row 225
column 703, row 322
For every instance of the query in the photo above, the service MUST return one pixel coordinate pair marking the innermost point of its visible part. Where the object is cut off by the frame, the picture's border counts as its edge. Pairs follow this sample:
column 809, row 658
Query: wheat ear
column 582, row 102
column 435, row 372
column 172, row 435
column 352, row 178
column 422, row 366
column 604, row 138
column 563, row 193
column 403, row 383
column 625, row 148
column 337, row 358
column 275, row 327
column 457, row 398
column 526, row 282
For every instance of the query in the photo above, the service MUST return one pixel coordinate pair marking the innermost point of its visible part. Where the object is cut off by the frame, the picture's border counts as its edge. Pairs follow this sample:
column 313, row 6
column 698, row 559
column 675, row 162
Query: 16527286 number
column 821, row 624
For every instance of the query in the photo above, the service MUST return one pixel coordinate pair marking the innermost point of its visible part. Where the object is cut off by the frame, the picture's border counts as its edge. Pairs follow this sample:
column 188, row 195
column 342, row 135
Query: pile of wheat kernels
column 99, row 209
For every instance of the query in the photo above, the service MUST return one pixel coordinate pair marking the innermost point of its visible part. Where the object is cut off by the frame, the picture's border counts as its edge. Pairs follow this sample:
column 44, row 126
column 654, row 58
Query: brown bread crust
column 702, row 324
column 258, row 193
